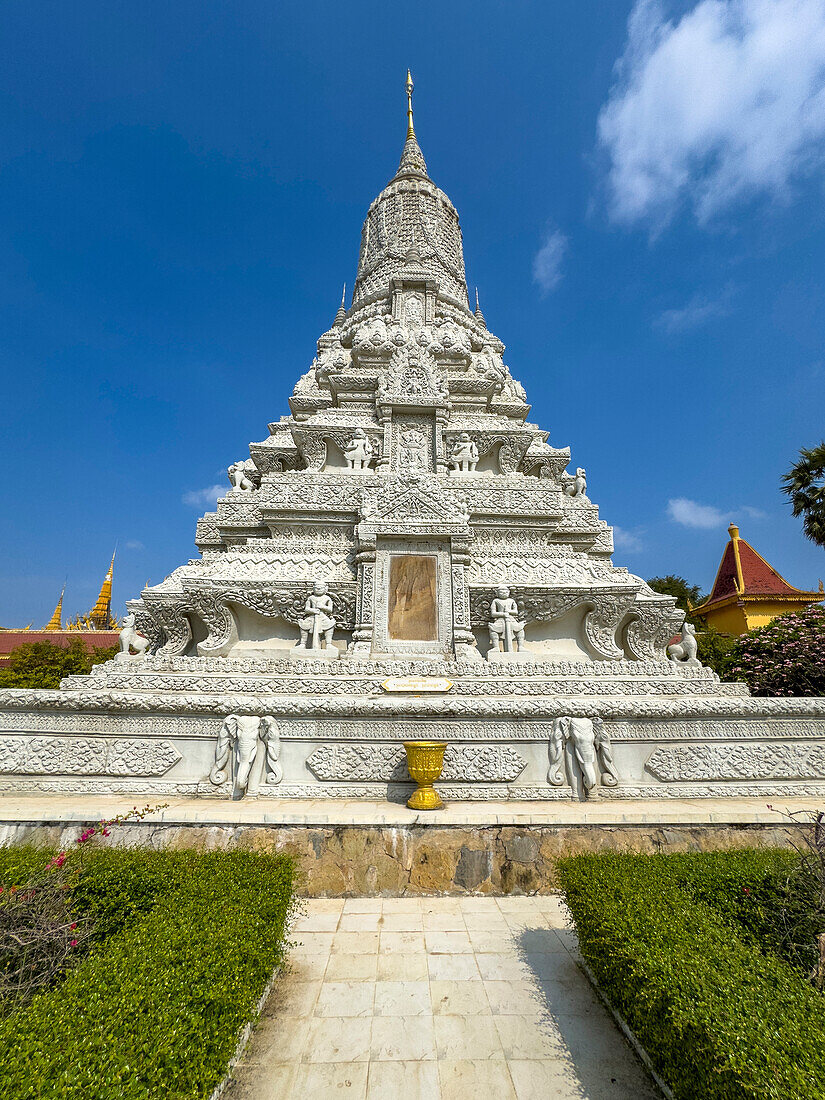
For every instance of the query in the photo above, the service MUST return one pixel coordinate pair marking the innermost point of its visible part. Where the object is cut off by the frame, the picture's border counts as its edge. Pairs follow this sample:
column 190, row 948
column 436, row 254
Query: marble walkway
column 421, row 998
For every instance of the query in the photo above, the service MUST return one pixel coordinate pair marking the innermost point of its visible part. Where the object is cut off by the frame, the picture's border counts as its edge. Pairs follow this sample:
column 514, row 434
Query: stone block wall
column 410, row 860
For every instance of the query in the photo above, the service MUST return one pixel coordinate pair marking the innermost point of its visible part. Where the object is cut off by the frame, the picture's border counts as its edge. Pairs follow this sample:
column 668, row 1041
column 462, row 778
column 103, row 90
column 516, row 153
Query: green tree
column 44, row 665
column 687, row 595
column 804, row 483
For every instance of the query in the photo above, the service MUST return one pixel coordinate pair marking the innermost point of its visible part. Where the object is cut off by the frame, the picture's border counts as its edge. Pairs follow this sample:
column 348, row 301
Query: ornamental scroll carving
column 601, row 624
column 650, row 631
column 86, row 756
column 170, row 614
column 732, row 761
column 462, row 763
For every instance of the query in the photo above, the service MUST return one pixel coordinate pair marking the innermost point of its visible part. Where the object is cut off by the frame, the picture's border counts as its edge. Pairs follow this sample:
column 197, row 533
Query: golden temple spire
column 100, row 616
column 56, row 621
column 409, row 86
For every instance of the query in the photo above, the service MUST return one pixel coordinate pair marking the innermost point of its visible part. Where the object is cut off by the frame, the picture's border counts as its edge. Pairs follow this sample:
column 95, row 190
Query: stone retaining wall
column 365, row 860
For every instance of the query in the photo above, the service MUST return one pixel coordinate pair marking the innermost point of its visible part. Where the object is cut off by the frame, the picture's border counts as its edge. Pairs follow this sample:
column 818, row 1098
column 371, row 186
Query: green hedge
column 156, row 1008
column 666, row 938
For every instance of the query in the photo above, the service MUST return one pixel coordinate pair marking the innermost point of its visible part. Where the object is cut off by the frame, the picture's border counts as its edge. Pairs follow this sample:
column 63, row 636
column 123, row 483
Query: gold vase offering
column 425, row 760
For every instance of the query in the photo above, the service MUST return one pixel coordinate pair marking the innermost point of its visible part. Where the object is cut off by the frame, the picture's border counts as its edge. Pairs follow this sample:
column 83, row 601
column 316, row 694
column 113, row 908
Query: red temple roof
column 744, row 573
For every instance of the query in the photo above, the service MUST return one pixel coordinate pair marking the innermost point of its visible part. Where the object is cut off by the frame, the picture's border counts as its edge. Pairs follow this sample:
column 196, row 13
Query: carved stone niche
column 413, row 301
column 412, row 598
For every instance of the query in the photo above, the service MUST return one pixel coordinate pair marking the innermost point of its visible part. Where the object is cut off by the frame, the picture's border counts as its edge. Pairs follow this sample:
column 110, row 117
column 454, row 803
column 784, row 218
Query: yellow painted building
column 748, row 592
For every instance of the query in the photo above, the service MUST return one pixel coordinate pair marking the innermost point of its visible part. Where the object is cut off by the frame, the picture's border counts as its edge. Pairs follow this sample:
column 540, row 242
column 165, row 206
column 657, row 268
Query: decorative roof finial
column 409, row 86
column 479, row 316
column 341, row 315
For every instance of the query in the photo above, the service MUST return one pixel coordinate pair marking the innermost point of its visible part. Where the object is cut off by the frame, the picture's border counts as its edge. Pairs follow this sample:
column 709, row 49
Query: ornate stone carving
column 575, row 486
column 239, row 737
column 131, row 640
column 653, row 626
column 732, row 761
column 684, row 651
column 463, row 455
column 244, row 476
column 358, row 451
column 317, row 624
column 462, row 763
column 410, row 390
column 86, row 756
column 584, row 746
column 505, row 628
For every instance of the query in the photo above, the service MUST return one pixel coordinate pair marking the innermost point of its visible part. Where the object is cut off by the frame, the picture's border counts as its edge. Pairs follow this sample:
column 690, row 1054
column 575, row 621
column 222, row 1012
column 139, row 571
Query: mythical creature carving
column 582, row 742
column 243, row 476
column 575, row 486
column 240, row 736
column 131, row 639
column 684, row 652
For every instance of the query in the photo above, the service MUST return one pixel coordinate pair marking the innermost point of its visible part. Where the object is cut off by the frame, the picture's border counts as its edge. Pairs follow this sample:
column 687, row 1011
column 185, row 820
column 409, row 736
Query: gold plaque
column 416, row 685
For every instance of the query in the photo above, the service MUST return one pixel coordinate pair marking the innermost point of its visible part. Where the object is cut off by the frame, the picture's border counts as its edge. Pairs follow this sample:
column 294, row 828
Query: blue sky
column 182, row 188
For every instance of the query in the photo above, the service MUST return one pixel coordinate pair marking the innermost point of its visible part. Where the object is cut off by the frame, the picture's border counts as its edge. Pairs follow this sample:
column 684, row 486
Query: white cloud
column 202, row 498
column 547, row 264
column 696, row 312
column 753, row 513
column 725, row 103
column 690, row 514
column 626, row 540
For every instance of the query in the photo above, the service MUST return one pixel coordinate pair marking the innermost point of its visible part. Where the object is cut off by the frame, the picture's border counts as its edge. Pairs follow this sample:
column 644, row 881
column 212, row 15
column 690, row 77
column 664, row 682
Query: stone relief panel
column 731, row 761
column 462, row 763
column 86, row 756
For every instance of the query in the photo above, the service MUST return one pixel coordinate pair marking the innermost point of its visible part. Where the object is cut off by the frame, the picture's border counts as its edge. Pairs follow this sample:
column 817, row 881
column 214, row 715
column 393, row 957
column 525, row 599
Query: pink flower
column 72, row 943
column 73, row 926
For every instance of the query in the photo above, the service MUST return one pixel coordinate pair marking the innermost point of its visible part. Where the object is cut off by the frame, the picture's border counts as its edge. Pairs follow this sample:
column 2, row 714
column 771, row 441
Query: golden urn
column 425, row 760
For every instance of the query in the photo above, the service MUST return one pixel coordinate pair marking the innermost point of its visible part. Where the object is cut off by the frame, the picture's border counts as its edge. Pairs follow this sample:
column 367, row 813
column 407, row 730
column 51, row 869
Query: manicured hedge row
column 719, row 1017
column 156, row 1008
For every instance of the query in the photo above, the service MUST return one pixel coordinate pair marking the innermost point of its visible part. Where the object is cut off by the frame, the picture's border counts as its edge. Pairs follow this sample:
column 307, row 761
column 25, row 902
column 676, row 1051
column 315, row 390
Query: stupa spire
column 101, row 614
column 479, row 316
column 341, row 315
column 412, row 159
column 56, row 621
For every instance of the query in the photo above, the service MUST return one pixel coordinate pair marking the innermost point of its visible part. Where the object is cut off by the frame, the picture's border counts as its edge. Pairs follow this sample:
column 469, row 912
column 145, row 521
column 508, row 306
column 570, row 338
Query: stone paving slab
column 428, row 998
column 48, row 808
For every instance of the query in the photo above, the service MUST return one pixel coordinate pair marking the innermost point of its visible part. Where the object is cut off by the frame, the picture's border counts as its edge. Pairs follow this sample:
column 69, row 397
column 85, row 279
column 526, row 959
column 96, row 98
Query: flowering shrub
column 786, row 657
column 155, row 1008
column 42, row 933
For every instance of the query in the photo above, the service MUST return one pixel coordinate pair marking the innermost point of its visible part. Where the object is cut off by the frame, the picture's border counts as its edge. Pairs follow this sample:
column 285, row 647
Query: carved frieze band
column 731, row 761
column 86, row 756
column 463, row 763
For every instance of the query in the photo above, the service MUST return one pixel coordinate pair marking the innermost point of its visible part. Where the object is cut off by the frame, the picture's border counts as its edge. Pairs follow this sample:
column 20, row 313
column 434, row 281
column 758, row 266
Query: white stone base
column 498, row 656
column 304, row 654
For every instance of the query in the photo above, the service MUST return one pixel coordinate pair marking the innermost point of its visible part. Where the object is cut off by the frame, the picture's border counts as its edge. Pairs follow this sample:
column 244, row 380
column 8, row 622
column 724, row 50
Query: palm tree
column 805, row 485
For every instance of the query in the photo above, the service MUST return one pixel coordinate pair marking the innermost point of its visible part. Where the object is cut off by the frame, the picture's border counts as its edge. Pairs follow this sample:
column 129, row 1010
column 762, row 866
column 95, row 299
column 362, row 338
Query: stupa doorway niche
column 413, row 598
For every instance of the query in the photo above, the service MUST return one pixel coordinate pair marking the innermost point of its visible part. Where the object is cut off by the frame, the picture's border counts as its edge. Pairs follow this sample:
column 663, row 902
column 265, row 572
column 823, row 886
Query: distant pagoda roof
column 744, row 574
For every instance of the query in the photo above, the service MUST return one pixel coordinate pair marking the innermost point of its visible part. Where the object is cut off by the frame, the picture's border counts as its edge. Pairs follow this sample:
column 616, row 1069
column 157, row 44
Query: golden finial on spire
column 409, row 86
